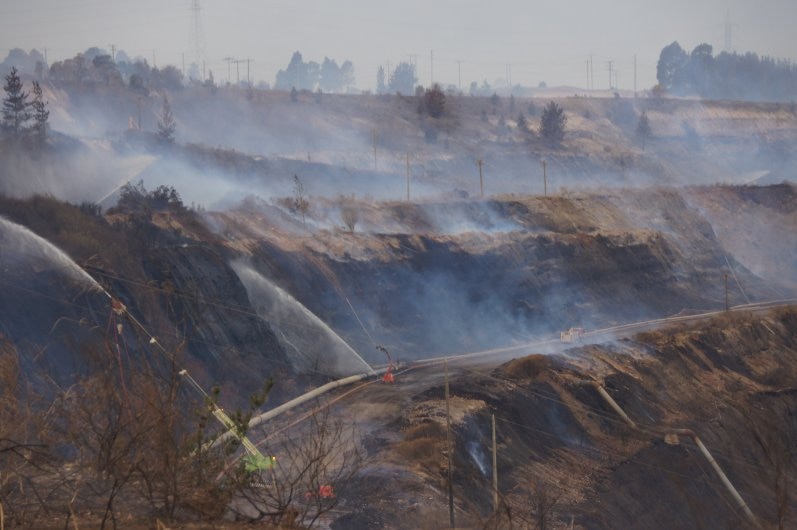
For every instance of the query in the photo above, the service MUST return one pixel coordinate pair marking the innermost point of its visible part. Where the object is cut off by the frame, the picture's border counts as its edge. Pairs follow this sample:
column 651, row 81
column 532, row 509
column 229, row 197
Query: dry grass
column 527, row 368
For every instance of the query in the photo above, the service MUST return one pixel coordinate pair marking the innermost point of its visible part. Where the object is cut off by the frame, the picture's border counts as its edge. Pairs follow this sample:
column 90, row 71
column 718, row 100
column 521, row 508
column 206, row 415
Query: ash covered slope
column 166, row 269
column 440, row 277
column 563, row 452
column 692, row 142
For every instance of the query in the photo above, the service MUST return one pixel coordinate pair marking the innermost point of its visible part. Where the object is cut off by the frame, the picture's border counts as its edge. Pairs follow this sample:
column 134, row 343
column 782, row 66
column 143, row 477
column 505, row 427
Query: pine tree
column 435, row 101
column 15, row 105
column 166, row 123
column 522, row 123
column 40, row 113
column 552, row 123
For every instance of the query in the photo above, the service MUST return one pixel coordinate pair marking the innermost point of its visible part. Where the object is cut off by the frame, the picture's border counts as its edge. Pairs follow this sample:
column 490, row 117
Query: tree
column 15, row 105
column 210, row 82
column 40, row 113
column 522, row 123
column 300, row 203
column 403, row 79
column 299, row 74
column 380, row 81
column 307, row 478
column 166, row 124
column 643, row 130
column 330, row 78
column 168, row 78
column 346, row 75
column 552, row 123
column 106, row 70
column 671, row 60
column 349, row 213
column 435, row 101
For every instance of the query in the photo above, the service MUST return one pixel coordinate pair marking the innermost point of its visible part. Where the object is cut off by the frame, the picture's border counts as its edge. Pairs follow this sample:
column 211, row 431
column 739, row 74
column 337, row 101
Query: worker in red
column 388, row 377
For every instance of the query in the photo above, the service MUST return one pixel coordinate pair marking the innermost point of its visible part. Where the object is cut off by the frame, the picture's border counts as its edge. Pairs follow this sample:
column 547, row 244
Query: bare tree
column 536, row 509
column 349, row 213
column 25, row 456
column 310, row 468
column 300, row 202
column 774, row 430
column 166, row 123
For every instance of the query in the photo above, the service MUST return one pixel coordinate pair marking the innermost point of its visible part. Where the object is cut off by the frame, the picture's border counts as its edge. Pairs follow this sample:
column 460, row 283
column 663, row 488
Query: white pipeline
column 691, row 434
column 295, row 402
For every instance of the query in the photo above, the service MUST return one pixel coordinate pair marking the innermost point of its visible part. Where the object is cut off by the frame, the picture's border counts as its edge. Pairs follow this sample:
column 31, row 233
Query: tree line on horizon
column 725, row 75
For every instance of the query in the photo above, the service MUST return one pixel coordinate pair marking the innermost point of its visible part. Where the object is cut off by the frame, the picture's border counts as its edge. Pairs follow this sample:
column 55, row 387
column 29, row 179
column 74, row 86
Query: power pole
column 609, row 65
column 545, row 178
column 450, row 459
column 183, row 64
column 459, row 73
column 587, row 74
column 408, row 177
column 634, row 74
column 480, row 162
column 591, row 73
column 431, row 81
column 113, row 52
column 374, row 138
column 495, row 470
column 229, row 61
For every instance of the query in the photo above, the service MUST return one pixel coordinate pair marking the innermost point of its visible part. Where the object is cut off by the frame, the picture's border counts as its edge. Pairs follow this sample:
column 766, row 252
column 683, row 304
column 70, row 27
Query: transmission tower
column 728, row 32
column 196, row 38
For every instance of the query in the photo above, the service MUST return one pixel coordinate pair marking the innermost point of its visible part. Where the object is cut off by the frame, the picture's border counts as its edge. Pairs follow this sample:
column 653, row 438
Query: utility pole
column 634, row 75
column 113, row 52
column 727, row 305
column 587, row 74
column 480, row 162
column 183, row 64
column 374, row 139
column 545, row 178
column 408, row 177
column 610, row 64
column 229, row 61
column 495, row 470
column 459, row 73
column 450, row 459
column 591, row 73
column 431, row 81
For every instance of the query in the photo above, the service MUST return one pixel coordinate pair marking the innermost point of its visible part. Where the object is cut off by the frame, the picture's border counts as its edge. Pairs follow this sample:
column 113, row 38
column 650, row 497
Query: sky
column 453, row 42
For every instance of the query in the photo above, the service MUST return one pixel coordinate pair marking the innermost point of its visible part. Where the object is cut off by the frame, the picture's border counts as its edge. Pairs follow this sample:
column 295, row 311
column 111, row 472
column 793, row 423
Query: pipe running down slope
column 695, row 438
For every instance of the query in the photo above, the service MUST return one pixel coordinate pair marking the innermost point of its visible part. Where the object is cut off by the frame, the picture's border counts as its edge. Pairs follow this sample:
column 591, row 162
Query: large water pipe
column 681, row 432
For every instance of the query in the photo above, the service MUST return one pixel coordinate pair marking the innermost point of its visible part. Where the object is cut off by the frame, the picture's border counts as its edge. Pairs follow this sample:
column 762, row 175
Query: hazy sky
column 543, row 40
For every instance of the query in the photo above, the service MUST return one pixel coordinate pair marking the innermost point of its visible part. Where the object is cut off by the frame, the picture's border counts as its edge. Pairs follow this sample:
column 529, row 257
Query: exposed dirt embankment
column 756, row 225
column 451, row 276
column 564, row 451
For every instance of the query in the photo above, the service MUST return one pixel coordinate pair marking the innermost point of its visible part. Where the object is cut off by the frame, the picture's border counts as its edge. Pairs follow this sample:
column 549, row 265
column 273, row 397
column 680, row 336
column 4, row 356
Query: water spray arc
column 23, row 241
